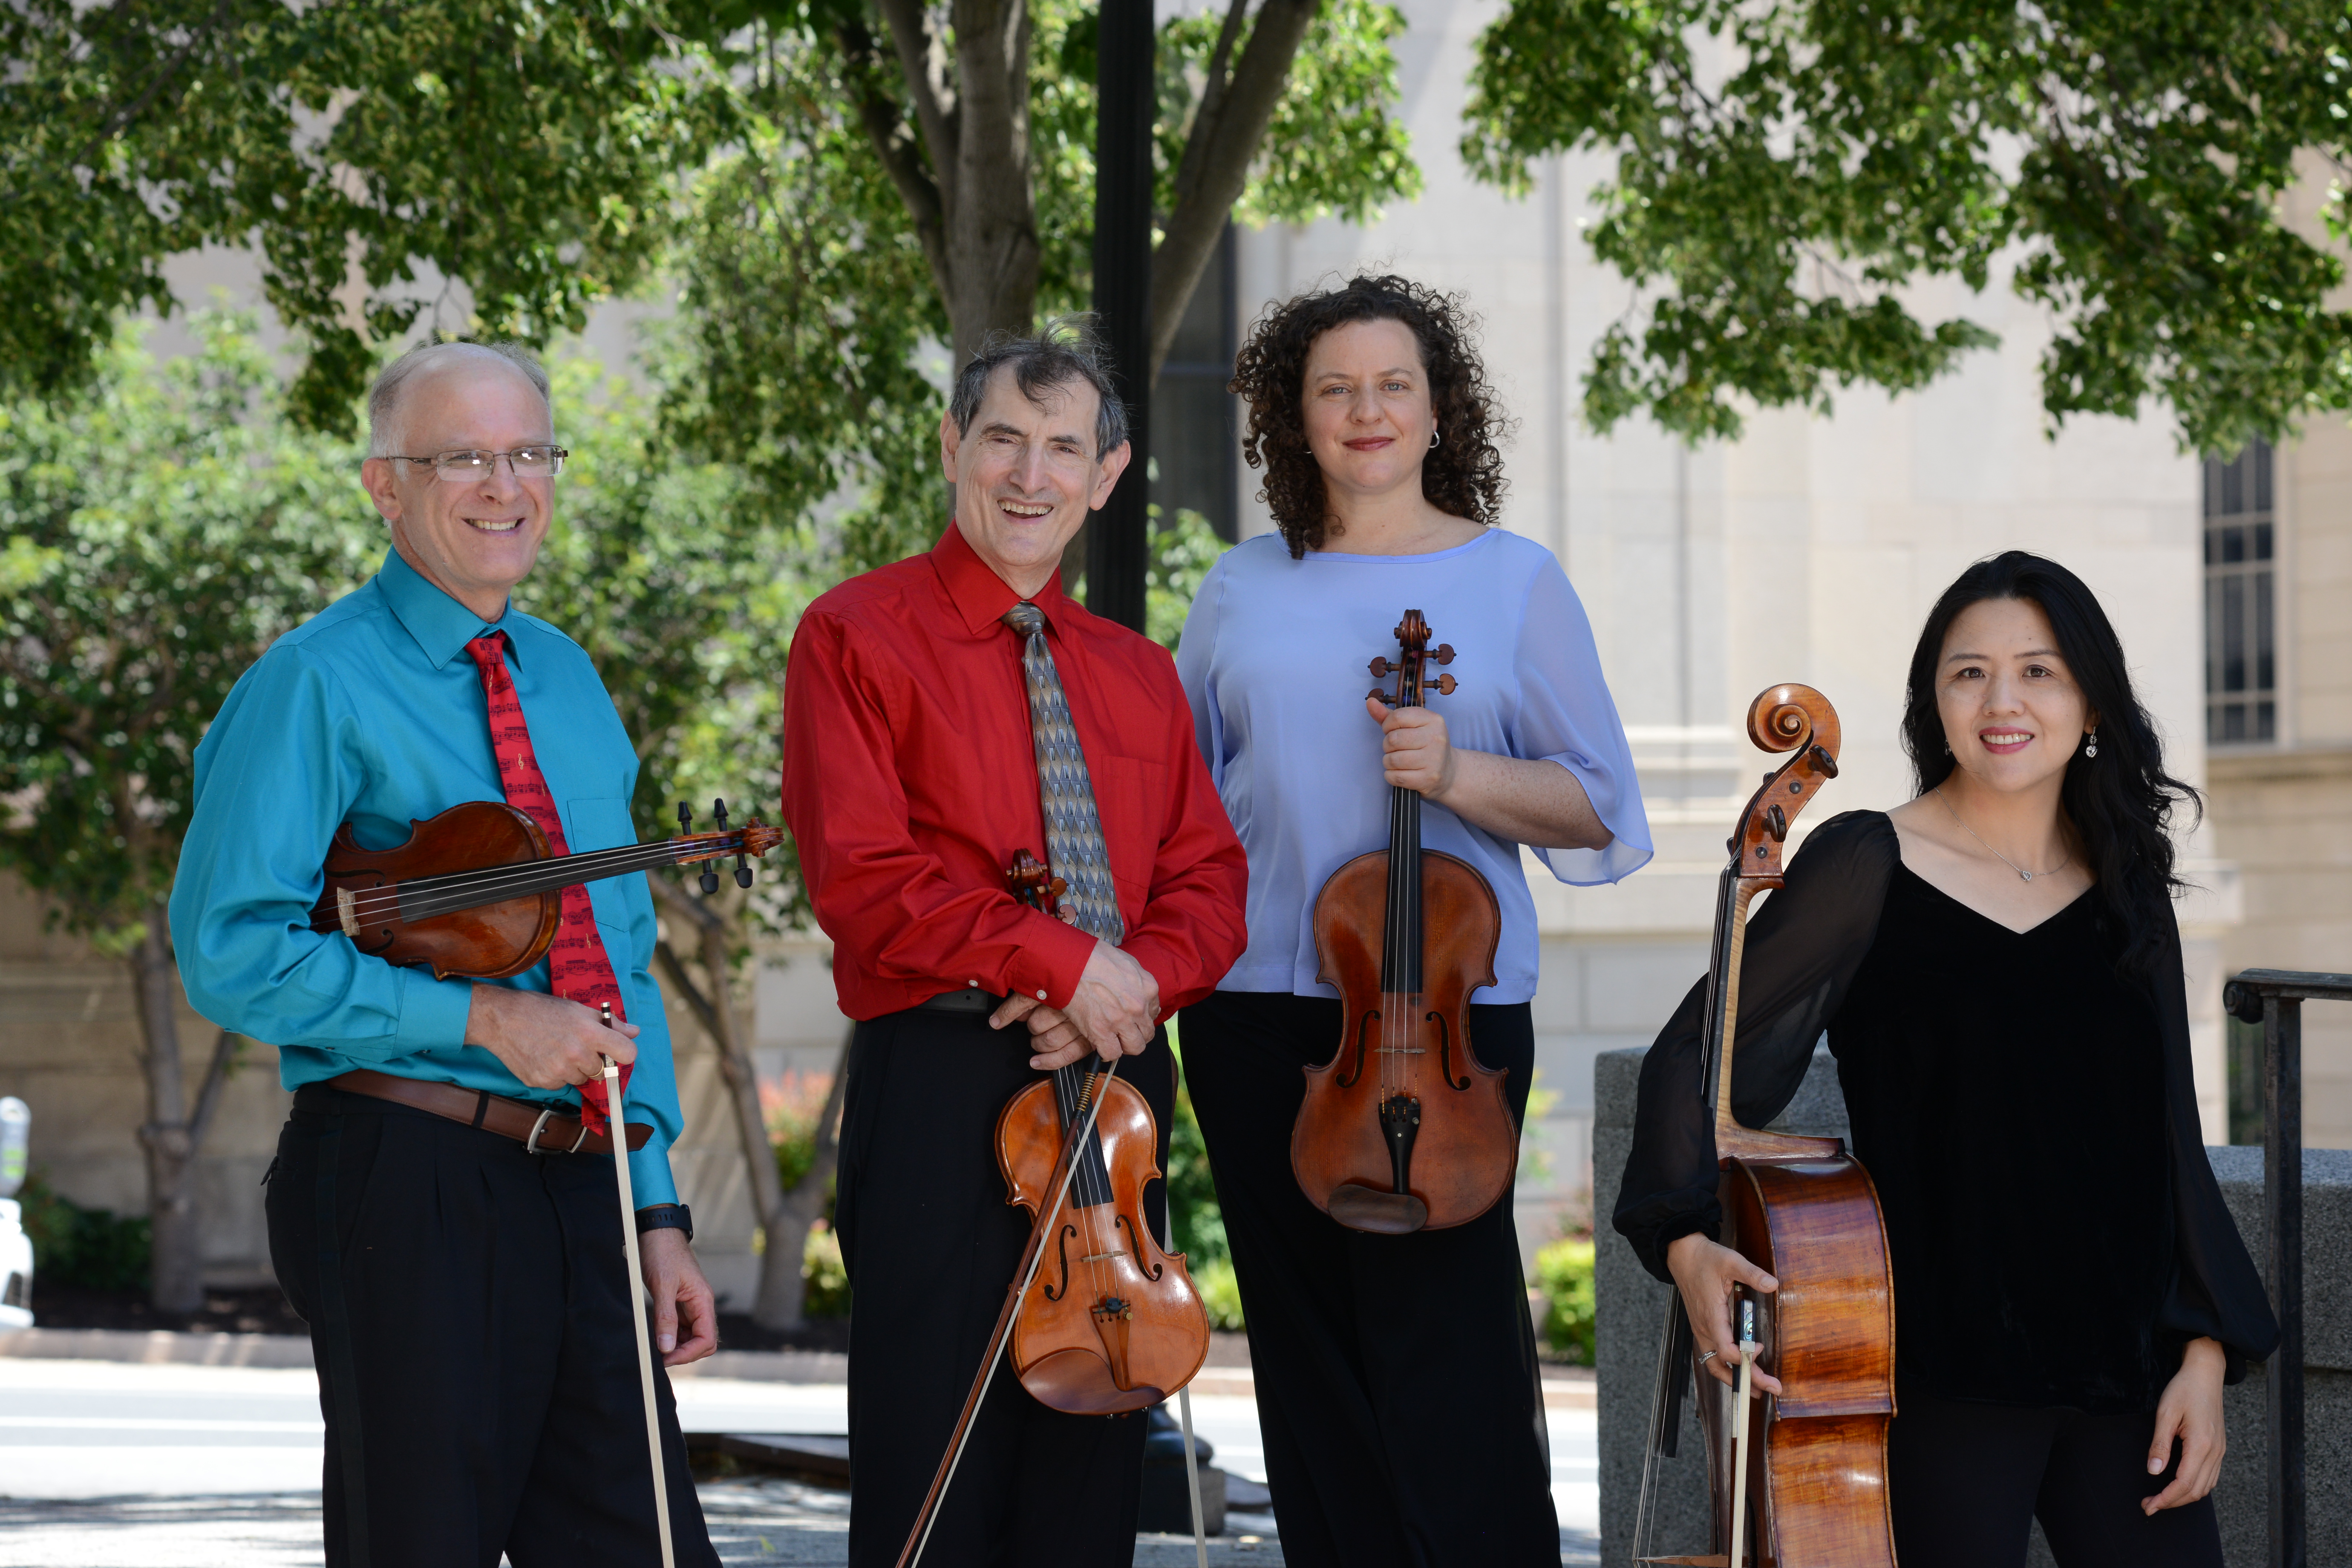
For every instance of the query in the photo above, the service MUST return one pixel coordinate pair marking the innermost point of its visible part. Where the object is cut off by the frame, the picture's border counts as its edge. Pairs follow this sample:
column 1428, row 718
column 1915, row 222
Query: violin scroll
column 1413, row 685
column 1789, row 718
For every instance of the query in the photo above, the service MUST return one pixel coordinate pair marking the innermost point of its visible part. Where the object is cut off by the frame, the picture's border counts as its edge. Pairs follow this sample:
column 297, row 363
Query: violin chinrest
column 1079, row 1383
column 1360, row 1208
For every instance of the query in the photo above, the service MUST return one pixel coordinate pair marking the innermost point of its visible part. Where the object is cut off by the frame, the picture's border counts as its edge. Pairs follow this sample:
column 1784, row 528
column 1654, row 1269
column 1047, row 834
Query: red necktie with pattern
column 579, row 969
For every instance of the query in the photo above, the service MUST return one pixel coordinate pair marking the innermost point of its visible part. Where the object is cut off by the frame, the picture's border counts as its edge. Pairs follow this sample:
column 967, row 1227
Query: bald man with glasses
column 464, row 1281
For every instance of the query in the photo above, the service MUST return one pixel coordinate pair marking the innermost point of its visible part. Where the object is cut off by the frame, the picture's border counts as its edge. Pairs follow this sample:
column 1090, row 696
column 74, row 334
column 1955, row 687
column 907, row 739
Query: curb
column 156, row 1347
column 1563, row 1389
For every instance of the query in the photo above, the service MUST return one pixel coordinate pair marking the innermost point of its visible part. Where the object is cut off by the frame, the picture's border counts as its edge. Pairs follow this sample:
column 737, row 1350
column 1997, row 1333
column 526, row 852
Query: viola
column 1100, row 1320
column 1403, row 1129
column 476, row 893
column 1800, row 1479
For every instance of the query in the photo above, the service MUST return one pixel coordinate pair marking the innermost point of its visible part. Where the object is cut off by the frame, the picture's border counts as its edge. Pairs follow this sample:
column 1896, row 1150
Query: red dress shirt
column 910, row 780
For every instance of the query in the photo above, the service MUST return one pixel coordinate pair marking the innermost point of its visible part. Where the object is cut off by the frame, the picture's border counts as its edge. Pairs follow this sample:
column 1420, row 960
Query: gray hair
column 1065, row 354
column 384, row 435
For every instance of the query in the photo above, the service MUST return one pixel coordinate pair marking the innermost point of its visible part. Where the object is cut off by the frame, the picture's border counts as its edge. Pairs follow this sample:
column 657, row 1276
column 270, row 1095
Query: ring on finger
column 1705, row 1357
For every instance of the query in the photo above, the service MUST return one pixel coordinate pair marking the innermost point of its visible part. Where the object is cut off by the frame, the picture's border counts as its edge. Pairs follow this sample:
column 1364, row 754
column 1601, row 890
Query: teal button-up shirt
column 372, row 712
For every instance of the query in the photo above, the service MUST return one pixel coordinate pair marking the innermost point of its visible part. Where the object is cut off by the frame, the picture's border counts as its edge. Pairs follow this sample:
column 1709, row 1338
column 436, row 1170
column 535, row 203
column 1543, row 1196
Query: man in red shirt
column 910, row 781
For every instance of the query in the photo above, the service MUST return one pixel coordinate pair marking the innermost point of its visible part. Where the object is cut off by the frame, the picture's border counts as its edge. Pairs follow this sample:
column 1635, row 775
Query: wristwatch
column 667, row 1216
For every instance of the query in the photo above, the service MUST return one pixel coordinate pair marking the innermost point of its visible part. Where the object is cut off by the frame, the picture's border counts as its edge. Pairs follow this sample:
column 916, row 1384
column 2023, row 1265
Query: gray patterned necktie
column 1075, row 850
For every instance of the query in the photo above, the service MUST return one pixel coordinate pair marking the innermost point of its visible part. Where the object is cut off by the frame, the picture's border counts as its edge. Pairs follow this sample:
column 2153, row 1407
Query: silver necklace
column 1996, row 854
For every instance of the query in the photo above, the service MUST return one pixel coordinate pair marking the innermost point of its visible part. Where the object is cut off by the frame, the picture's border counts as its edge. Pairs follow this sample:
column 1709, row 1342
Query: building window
column 2241, row 622
column 1196, row 444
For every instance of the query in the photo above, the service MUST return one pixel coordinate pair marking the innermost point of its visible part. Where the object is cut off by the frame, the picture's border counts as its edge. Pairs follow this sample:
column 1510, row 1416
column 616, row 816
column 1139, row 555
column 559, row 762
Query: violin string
column 435, row 891
column 624, row 857
column 429, row 895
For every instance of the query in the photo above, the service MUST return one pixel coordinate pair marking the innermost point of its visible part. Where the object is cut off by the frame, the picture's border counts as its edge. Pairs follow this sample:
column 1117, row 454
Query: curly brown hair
column 1462, row 475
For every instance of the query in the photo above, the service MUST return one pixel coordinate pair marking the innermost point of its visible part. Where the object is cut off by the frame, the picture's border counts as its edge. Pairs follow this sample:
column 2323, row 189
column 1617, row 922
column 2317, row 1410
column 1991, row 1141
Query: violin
column 1800, row 1479
column 1113, row 1325
column 1100, row 1320
column 475, row 893
column 1403, row 1129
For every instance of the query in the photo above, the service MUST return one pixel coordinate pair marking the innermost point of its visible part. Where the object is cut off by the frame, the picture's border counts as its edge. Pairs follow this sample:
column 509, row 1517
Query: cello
column 1403, row 1129
column 1797, row 1479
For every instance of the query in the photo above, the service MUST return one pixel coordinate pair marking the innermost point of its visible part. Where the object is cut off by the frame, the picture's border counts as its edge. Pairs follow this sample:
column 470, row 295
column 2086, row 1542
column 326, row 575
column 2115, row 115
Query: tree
column 1785, row 169
column 981, row 115
column 362, row 147
column 685, row 597
column 156, row 535
column 811, row 296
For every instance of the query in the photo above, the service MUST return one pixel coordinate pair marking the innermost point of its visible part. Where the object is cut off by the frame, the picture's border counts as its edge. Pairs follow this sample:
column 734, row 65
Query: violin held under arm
column 476, row 893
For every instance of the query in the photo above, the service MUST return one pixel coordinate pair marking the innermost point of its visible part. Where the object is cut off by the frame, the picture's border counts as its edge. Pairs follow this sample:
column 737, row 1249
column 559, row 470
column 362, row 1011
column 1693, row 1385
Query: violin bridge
column 347, row 912
column 1112, row 1316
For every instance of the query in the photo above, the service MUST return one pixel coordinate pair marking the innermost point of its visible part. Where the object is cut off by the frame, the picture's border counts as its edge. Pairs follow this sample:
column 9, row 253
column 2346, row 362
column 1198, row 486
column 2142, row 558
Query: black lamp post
column 1119, row 536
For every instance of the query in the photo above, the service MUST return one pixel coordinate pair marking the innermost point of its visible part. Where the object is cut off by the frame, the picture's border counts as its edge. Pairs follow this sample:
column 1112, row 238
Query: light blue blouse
column 1274, row 660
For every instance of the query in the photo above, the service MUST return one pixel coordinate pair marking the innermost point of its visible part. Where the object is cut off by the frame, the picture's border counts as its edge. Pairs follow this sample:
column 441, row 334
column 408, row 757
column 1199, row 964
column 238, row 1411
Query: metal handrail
column 2274, row 998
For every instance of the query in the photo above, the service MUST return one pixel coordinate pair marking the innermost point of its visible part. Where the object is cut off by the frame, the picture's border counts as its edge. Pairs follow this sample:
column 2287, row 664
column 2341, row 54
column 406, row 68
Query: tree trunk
column 778, row 1303
column 805, row 1205
column 991, row 241
column 176, row 1282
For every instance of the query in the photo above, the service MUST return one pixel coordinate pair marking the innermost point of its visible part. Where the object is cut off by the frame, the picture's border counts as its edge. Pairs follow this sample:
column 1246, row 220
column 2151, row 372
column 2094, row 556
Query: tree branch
column 674, row 969
column 120, row 119
column 923, row 62
column 1217, row 156
column 208, row 1097
column 893, row 142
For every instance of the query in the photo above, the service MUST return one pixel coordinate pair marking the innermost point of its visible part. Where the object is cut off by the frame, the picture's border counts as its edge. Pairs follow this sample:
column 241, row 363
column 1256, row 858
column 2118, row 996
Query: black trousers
column 1968, row 1478
column 470, row 1312
column 1397, row 1384
column 931, row 1245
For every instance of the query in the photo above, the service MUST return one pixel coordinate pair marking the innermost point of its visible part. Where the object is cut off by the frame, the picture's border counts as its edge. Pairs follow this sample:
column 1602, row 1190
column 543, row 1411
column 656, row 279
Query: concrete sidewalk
column 753, row 1524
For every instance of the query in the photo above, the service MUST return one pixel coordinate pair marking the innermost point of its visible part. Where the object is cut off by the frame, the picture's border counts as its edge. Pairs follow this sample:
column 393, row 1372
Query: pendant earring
column 1948, row 748
column 2091, row 742
column 1436, row 438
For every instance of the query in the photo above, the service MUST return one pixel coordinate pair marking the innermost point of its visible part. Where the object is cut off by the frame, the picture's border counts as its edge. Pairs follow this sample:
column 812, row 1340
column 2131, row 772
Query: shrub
column 1220, row 1292
column 1564, row 1275
column 824, row 1278
column 96, row 1249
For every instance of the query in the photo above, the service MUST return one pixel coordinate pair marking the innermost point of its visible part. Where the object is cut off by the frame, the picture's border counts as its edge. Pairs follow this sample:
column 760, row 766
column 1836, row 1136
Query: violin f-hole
column 1445, row 1053
column 1135, row 1244
column 1062, row 1248
column 1363, row 1028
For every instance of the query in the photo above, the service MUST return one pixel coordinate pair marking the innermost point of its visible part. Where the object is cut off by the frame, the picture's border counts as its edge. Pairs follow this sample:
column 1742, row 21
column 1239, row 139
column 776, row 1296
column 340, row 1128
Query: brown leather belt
column 540, row 1130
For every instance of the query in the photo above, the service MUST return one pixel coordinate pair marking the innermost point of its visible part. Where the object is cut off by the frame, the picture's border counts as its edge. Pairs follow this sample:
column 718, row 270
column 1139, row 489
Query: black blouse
column 2030, row 1119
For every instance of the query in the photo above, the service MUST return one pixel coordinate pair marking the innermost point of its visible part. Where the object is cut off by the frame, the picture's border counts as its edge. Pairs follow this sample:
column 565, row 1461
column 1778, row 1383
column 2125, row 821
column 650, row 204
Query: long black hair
column 2121, row 801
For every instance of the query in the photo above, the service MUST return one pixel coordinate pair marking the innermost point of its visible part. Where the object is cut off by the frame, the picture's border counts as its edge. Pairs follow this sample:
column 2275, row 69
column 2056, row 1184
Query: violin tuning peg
column 685, row 818
column 1444, row 654
column 1776, row 823
column 742, row 873
column 709, row 882
column 1377, row 695
column 1445, row 685
column 718, row 810
column 1381, row 667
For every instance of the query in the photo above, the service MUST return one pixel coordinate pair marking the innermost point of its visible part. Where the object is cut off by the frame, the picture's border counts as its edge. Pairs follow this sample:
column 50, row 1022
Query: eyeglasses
column 472, row 468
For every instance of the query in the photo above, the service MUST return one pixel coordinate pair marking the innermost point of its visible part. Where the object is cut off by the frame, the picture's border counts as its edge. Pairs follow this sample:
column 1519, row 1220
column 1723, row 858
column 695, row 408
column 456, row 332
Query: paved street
column 104, row 1465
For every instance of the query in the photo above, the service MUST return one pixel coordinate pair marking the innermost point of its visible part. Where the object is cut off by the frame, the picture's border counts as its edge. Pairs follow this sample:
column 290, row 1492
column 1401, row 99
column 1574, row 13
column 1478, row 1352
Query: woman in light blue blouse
column 1396, row 1375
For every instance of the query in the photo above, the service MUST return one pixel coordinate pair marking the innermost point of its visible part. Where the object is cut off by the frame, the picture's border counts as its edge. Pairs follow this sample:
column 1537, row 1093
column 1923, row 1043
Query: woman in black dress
column 1998, row 968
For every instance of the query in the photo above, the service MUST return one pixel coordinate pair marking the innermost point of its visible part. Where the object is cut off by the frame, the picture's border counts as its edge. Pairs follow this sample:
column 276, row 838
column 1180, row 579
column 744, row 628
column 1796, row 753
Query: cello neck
column 1793, row 718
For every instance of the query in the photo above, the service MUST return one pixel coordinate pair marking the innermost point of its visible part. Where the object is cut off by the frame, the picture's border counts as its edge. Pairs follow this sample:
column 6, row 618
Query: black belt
column 971, row 999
